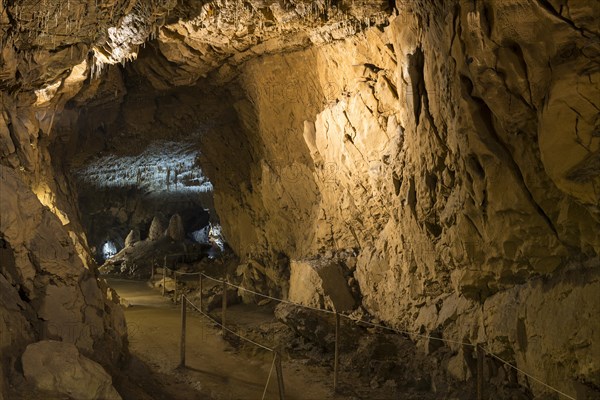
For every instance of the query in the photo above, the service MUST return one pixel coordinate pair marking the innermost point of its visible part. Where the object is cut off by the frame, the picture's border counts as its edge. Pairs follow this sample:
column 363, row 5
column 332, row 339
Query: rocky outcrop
column 425, row 149
column 58, row 367
column 321, row 285
column 156, row 229
column 132, row 238
column 452, row 145
column 224, row 34
column 175, row 229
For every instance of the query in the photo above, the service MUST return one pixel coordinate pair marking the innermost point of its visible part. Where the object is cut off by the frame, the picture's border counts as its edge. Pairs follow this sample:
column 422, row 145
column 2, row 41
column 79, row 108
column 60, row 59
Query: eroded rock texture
column 427, row 146
column 449, row 149
column 58, row 367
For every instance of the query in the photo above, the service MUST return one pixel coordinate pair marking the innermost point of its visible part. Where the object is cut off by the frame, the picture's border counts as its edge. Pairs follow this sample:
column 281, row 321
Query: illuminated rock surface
column 58, row 367
column 446, row 155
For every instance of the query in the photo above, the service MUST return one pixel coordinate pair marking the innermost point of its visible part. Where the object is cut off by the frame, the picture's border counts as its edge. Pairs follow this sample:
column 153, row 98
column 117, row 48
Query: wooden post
column 279, row 376
column 336, row 353
column 164, row 275
column 183, row 326
column 175, row 292
column 224, row 305
column 200, row 291
column 480, row 360
column 164, row 279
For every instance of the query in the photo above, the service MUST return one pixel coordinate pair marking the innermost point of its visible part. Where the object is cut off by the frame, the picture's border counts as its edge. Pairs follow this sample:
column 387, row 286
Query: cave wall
column 50, row 288
column 455, row 148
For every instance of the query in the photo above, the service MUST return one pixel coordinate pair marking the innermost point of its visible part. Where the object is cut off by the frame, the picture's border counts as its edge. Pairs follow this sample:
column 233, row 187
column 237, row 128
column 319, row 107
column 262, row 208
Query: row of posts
column 182, row 341
column 276, row 355
column 184, row 300
column 174, row 277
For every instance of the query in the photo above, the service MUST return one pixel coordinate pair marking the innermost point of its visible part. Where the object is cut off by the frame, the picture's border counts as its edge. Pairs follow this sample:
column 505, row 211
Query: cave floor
column 215, row 370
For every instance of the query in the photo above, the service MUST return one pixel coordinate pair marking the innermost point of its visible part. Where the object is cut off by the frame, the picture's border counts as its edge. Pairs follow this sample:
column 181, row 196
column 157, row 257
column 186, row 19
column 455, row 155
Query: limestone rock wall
column 50, row 289
column 455, row 148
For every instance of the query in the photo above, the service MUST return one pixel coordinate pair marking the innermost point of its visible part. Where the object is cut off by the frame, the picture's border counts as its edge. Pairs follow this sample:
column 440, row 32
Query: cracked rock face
column 448, row 154
column 58, row 367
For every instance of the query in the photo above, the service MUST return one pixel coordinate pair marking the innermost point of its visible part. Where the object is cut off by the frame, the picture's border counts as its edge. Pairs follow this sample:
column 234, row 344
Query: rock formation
column 50, row 289
column 58, row 367
column 453, row 146
column 132, row 238
column 121, row 192
column 320, row 285
column 156, row 229
column 175, row 229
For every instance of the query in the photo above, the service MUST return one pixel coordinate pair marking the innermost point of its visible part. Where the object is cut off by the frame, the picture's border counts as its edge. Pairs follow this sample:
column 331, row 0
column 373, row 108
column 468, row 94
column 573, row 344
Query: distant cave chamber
column 109, row 249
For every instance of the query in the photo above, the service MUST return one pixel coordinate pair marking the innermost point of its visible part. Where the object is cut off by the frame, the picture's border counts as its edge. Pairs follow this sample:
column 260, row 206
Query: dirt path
column 214, row 368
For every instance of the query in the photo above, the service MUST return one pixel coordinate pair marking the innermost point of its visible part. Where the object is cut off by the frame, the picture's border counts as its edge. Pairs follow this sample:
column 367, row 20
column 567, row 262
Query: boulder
column 175, row 230
column 156, row 229
column 216, row 300
column 319, row 283
column 132, row 238
column 169, row 284
column 319, row 327
column 59, row 367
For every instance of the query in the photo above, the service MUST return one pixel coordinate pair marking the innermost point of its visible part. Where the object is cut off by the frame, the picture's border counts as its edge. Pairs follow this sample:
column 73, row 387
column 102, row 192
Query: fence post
column 279, row 376
column 224, row 305
column 175, row 292
column 480, row 360
column 164, row 279
column 200, row 291
column 183, row 329
column 336, row 353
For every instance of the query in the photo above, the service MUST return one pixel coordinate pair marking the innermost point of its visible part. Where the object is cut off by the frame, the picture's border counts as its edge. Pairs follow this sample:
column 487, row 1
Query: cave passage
column 401, row 197
column 108, row 249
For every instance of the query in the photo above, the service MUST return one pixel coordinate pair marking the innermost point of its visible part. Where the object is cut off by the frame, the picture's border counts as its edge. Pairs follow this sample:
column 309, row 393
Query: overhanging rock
column 320, row 283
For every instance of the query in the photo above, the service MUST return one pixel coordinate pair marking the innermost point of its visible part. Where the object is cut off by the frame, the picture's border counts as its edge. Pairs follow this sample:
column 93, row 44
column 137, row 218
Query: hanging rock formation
column 315, row 283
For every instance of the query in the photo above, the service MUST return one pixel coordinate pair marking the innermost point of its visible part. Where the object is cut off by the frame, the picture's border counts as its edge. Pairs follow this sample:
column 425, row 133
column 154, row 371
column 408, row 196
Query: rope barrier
column 225, row 328
column 268, row 297
column 185, row 273
column 341, row 314
column 408, row 332
column 182, row 273
column 358, row 321
column 268, row 378
column 526, row 374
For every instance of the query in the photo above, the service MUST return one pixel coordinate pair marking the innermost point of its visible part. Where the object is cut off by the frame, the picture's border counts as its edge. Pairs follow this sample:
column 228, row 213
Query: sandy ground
column 214, row 370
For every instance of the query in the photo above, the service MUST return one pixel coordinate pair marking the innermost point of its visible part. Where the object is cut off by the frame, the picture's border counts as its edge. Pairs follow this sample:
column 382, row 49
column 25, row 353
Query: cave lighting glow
column 163, row 167
column 215, row 235
column 201, row 235
column 108, row 250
